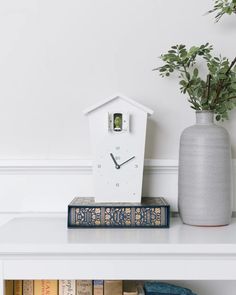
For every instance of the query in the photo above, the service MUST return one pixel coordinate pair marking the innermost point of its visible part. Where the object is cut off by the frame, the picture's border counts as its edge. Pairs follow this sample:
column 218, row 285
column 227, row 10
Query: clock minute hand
column 127, row 161
column 114, row 160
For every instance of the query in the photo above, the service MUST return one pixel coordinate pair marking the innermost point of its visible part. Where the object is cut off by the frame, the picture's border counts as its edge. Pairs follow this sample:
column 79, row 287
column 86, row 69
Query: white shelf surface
column 41, row 246
column 44, row 234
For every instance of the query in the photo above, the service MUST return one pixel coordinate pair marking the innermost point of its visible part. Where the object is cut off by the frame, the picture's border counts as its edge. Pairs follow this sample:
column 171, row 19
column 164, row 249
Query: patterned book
column 28, row 287
column 45, row 287
column 18, row 287
column 67, row 287
column 98, row 287
column 84, row 287
column 113, row 287
column 85, row 212
column 8, row 287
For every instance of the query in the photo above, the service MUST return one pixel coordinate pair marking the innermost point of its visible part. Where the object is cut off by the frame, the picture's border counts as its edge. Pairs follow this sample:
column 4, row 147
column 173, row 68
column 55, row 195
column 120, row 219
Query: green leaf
column 218, row 117
column 171, row 51
column 188, row 76
column 195, row 72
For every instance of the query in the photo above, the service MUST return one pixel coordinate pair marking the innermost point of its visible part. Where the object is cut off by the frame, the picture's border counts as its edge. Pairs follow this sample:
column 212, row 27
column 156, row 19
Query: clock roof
column 117, row 96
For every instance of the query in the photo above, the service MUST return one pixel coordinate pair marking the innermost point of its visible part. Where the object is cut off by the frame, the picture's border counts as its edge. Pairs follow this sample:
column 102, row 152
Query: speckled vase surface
column 205, row 173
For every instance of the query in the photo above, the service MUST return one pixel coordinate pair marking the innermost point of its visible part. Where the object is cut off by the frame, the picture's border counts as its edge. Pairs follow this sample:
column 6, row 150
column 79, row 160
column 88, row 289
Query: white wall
column 58, row 57
column 49, row 185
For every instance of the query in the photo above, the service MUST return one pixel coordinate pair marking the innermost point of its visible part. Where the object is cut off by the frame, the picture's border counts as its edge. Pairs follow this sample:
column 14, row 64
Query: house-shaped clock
column 118, row 132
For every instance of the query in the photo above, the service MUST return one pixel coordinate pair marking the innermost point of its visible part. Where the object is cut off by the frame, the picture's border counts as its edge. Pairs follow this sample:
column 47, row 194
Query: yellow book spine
column 45, row 287
column 18, row 287
column 9, row 287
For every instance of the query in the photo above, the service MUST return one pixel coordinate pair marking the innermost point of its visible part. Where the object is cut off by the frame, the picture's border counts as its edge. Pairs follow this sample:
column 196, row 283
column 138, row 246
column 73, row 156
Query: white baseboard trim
column 36, row 185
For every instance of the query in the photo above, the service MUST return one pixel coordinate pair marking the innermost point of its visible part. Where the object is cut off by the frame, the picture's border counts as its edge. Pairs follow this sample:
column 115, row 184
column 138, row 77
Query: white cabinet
column 41, row 247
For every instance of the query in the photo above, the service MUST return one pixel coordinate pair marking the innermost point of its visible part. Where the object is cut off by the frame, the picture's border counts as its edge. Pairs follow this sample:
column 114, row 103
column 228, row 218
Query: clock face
column 118, row 172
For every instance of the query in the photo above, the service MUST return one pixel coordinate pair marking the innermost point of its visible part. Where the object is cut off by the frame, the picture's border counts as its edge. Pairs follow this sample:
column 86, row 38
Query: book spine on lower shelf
column 28, row 287
column 113, row 287
column 9, row 287
column 18, row 287
column 130, row 288
column 140, row 289
column 67, row 287
column 45, row 287
column 98, row 287
column 143, row 216
column 84, row 287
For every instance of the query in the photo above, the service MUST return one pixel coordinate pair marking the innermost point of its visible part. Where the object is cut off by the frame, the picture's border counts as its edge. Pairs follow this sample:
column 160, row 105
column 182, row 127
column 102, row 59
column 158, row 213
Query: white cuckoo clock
column 118, row 131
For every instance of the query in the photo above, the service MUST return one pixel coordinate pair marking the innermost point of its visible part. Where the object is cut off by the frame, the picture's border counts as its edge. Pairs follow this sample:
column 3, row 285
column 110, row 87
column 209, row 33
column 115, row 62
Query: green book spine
column 152, row 212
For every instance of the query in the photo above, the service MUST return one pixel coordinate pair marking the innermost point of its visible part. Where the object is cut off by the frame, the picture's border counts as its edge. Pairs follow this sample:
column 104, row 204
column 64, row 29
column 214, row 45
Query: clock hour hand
column 127, row 161
column 114, row 160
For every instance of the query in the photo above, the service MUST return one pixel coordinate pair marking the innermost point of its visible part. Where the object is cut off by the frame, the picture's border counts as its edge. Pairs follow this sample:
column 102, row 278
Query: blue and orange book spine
column 150, row 213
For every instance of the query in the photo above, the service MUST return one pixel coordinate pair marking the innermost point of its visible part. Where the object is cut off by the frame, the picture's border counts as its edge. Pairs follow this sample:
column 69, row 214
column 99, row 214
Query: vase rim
column 205, row 111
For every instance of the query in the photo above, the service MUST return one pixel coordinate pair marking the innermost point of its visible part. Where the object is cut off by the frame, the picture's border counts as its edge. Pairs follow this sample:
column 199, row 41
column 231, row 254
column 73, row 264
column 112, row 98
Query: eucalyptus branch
column 222, row 7
column 231, row 66
column 208, row 86
column 212, row 93
column 221, row 82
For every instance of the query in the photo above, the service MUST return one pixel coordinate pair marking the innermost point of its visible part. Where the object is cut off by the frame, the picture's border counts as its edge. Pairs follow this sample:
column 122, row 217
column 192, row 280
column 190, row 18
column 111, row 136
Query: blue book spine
column 158, row 288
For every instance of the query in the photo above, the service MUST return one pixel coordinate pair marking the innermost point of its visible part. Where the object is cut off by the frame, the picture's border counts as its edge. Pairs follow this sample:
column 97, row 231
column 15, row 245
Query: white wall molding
column 36, row 185
column 157, row 166
column 76, row 166
column 52, row 166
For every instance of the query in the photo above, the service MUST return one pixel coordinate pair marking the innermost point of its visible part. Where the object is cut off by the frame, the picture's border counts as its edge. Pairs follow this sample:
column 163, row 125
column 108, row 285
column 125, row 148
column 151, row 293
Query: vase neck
column 204, row 117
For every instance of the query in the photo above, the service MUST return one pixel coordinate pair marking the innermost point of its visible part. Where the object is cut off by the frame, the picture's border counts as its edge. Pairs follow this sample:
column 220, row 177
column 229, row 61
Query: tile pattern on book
column 154, row 213
column 118, row 216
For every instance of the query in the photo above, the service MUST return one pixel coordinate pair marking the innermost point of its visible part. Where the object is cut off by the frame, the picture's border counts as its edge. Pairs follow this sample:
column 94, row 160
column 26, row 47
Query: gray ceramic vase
column 205, row 173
